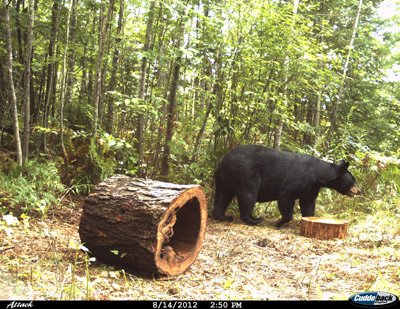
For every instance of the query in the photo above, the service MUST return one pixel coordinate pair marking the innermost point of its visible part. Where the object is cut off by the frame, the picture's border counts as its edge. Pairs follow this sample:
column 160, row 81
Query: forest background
column 162, row 89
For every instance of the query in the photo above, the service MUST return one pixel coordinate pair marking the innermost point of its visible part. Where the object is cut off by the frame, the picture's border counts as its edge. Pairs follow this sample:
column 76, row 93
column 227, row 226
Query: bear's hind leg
column 221, row 203
column 246, row 205
column 286, row 207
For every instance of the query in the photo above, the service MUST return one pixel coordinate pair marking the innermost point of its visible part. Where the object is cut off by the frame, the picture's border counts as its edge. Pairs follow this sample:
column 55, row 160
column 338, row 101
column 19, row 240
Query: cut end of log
column 323, row 228
column 154, row 227
column 181, row 232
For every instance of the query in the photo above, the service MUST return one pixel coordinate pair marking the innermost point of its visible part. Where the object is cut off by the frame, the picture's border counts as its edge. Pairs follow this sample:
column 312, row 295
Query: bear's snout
column 354, row 191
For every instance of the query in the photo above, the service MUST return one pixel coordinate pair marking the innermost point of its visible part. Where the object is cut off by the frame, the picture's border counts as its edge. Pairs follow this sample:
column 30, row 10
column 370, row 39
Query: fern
column 35, row 191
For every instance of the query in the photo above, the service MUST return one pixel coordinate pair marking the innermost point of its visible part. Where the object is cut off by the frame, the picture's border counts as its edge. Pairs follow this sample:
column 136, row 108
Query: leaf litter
column 41, row 259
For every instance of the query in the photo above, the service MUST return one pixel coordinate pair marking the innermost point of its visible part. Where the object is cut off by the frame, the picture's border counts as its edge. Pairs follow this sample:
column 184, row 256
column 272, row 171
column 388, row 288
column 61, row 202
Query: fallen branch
column 6, row 249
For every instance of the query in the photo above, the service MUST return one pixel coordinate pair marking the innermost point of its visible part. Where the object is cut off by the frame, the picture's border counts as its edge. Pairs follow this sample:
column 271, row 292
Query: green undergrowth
column 31, row 189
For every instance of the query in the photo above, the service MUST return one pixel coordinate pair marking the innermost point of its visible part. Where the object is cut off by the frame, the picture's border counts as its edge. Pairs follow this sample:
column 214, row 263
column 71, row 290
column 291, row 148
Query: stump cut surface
column 323, row 228
column 144, row 226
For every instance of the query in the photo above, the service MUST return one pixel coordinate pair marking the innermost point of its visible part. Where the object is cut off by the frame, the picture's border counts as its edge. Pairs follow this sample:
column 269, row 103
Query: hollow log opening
column 181, row 237
column 186, row 228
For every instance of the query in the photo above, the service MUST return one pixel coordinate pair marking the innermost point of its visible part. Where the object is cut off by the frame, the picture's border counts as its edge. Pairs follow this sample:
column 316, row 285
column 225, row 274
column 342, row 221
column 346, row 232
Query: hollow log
column 144, row 226
column 323, row 228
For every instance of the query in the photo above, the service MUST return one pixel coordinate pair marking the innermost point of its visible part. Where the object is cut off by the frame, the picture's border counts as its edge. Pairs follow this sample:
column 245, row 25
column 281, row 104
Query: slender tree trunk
column 171, row 117
column 83, row 87
column 27, row 81
column 215, row 92
column 278, row 132
column 19, row 31
column 171, row 110
column 209, row 106
column 63, row 82
column 50, row 70
column 317, row 110
column 71, row 57
column 11, row 83
column 346, row 64
column 115, row 66
column 104, row 76
column 139, row 131
column 317, row 117
column 99, row 62
column 162, row 82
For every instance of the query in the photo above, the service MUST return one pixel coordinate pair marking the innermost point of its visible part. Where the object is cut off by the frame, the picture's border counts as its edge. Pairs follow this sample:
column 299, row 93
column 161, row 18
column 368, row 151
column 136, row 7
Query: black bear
column 256, row 173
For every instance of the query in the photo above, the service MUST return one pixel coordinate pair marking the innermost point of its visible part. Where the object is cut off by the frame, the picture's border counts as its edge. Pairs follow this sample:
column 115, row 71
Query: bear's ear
column 342, row 167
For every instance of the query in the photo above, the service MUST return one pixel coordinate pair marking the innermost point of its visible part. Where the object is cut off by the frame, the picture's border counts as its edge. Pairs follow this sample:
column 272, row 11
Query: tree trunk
column 171, row 111
column 143, row 65
column 323, row 228
column 278, row 132
column 71, row 57
column 27, row 82
column 19, row 29
column 115, row 66
column 50, row 70
column 144, row 226
column 317, row 118
column 317, row 111
column 63, row 83
column 346, row 64
column 14, row 110
column 99, row 63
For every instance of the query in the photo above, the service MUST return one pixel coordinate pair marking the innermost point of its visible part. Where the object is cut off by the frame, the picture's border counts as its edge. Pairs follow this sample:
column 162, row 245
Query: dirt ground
column 40, row 259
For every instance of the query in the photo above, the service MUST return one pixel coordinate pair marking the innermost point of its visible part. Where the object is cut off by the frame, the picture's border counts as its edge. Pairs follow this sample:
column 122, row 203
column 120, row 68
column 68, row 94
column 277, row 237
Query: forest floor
column 40, row 259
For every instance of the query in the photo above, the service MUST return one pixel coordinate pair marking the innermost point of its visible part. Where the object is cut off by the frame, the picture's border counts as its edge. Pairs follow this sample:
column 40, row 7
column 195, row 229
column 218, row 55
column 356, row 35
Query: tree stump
column 144, row 226
column 323, row 228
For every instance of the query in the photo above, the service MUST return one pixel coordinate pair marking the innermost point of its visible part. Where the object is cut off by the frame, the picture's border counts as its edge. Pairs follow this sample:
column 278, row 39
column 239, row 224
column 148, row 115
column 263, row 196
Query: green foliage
column 105, row 156
column 32, row 189
column 245, row 67
column 378, row 205
column 111, row 154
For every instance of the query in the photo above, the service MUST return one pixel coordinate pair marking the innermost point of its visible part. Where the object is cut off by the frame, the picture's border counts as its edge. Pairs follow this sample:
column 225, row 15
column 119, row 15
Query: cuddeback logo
column 369, row 299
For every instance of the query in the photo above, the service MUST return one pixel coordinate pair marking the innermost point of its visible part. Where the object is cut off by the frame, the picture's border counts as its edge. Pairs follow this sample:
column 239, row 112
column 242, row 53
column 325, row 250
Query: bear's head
column 344, row 182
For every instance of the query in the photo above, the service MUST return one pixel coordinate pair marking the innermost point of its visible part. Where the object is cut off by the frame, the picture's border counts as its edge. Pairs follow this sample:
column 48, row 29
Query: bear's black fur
column 258, row 174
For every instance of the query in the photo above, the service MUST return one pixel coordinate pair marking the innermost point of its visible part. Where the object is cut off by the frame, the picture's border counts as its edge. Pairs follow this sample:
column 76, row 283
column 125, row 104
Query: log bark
column 323, row 228
column 144, row 226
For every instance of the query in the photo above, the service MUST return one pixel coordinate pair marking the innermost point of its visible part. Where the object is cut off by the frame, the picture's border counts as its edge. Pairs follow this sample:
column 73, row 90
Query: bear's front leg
column 307, row 208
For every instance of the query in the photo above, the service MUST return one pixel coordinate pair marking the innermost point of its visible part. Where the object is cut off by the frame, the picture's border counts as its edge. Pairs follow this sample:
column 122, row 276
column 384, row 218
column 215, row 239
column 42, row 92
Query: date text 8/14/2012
column 197, row 304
